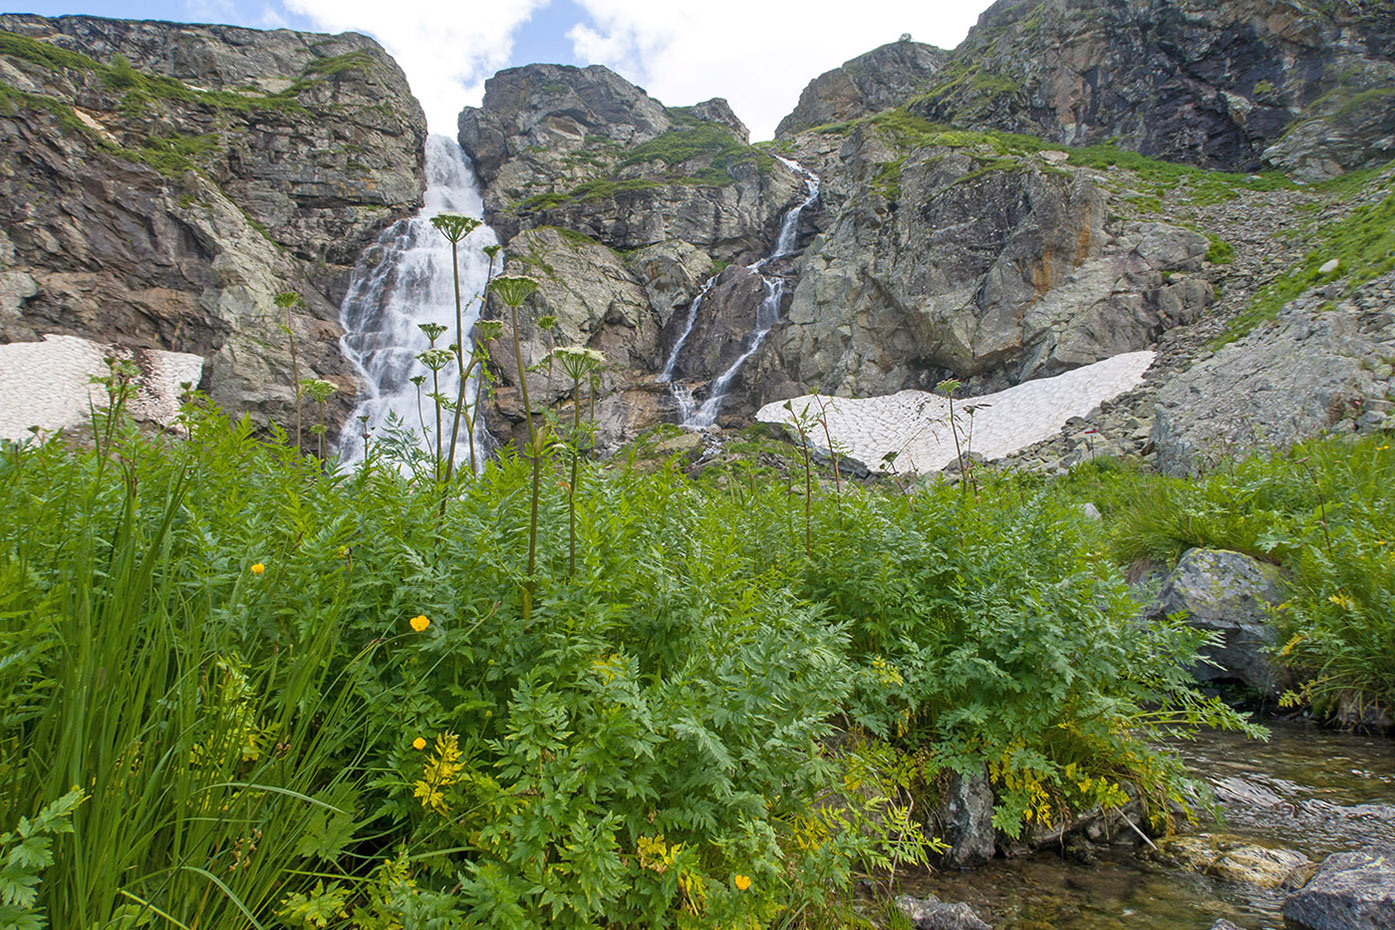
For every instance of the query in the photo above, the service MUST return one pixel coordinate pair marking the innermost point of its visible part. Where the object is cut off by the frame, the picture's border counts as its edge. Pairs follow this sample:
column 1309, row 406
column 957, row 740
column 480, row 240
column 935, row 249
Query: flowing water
column 1306, row 789
column 767, row 315
column 403, row 281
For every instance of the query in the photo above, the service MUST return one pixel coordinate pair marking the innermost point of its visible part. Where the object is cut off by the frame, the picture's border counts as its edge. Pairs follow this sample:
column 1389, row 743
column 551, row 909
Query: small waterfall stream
column 405, row 280
column 767, row 315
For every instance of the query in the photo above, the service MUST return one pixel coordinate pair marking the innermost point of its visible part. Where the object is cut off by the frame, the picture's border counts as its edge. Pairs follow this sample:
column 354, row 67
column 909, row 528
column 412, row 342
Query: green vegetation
column 333, row 707
column 338, row 64
column 44, row 54
column 173, row 155
column 1152, row 181
column 1220, row 252
column 1363, row 244
column 1325, row 512
column 681, row 151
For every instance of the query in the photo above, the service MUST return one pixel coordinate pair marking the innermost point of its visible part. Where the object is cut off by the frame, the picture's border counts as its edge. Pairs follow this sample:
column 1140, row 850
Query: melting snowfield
column 48, row 384
column 915, row 424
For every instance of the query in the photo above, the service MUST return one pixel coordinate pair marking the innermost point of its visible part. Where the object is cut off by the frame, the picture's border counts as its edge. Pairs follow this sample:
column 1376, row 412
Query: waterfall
column 767, row 314
column 405, row 280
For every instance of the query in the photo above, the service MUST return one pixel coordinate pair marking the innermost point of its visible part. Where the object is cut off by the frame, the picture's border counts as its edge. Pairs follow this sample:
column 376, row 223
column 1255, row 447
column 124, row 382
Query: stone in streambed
column 1351, row 891
column 1232, row 859
column 930, row 913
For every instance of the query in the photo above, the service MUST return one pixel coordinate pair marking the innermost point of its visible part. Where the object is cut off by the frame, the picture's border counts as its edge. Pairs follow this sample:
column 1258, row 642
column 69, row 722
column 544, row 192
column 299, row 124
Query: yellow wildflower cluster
column 608, row 667
column 886, row 673
column 1342, row 600
column 655, row 855
column 440, row 770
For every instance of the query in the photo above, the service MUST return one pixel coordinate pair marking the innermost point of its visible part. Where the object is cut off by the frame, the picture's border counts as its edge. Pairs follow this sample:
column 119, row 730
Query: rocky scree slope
column 163, row 182
column 622, row 209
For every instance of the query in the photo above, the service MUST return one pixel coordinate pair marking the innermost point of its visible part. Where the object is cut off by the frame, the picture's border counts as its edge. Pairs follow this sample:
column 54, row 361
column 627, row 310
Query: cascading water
column 402, row 282
column 767, row 315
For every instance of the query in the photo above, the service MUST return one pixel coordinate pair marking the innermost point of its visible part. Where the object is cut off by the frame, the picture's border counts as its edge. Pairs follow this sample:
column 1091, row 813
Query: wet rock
column 965, row 821
column 1223, row 924
column 930, row 913
column 997, row 275
column 1232, row 858
column 1232, row 595
column 1351, row 891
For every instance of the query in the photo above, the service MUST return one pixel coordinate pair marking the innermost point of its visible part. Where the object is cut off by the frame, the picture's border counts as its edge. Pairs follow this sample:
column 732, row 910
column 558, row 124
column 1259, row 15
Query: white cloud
column 447, row 50
column 757, row 53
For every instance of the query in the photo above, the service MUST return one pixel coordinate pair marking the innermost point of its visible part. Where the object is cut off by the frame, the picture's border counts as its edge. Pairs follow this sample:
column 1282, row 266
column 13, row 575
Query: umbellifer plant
column 577, row 363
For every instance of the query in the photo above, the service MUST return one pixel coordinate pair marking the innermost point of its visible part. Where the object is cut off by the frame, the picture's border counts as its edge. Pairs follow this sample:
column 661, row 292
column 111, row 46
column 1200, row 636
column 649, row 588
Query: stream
column 1307, row 789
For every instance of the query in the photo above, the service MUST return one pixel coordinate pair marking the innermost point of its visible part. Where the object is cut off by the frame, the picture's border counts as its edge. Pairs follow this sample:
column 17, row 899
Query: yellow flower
column 418, row 743
column 420, row 622
column 742, row 883
column 258, row 568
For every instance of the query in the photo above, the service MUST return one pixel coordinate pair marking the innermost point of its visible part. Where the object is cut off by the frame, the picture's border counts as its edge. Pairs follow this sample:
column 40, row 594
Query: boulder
column 965, row 821
column 1232, row 596
column 1351, row 891
column 584, row 149
column 1232, row 859
column 930, row 913
column 599, row 304
column 992, row 268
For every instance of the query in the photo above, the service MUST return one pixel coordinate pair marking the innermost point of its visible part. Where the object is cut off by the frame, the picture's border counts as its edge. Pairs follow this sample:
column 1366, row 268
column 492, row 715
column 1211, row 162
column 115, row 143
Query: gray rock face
column 1232, row 595
column 165, row 205
column 599, row 304
column 717, row 110
column 967, row 821
column 941, row 259
column 1351, row 891
column 556, row 109
column 1311, row 371
column 1187, row 80
column 583, row 149
column 883, row 77
column 930, row 913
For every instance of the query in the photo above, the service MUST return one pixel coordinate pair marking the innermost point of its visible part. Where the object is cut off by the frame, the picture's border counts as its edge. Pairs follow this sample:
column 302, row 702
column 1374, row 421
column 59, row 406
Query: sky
column 758, row 54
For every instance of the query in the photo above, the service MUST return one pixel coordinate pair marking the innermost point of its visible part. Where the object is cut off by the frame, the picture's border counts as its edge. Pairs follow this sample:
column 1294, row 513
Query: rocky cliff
column 622, row 208
column 1304, row 86
column 163, row 182
column 883, row 78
